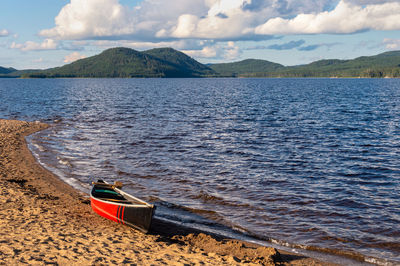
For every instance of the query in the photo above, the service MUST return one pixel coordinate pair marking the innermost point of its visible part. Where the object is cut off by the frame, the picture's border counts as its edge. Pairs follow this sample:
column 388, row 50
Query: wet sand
column 45, row 221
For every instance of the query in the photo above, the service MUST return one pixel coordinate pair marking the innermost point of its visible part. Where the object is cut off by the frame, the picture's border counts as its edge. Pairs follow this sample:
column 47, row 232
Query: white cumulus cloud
column 345, row 18
column 160, row 19
column 392, row 44
column 91, row 18
column 4, row 33
column 226, row 51
column 108, row 19
column 73, row 57
column 219, row 19
column 47, row 44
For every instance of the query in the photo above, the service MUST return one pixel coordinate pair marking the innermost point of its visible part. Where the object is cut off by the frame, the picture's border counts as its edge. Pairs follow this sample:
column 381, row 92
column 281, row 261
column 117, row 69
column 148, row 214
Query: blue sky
column 49, row 33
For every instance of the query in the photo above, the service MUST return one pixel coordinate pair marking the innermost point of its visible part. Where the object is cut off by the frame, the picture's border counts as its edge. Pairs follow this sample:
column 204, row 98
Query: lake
column 303, row 163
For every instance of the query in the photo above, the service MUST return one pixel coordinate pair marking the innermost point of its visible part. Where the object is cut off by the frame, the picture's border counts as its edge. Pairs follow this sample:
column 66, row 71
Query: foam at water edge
column 36, row 149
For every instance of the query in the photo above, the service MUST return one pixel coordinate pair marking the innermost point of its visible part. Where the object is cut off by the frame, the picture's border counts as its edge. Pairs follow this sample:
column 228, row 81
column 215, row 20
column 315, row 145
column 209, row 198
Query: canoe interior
column 109, row 194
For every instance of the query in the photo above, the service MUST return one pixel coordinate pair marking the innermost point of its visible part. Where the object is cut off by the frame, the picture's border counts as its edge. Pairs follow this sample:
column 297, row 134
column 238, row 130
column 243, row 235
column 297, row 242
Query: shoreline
column 221, row 77
column 45, row 220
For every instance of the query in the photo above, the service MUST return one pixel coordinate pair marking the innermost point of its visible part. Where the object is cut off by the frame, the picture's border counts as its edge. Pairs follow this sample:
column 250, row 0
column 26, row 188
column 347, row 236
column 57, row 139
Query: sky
column 49, row 33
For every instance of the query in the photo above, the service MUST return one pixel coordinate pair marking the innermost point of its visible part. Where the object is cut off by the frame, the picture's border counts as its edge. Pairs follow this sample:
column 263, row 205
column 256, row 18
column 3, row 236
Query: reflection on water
column 312, row 162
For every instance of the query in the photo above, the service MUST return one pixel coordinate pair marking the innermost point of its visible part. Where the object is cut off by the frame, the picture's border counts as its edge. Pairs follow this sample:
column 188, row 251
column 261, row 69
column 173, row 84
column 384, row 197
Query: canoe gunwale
column 121, row 203
column 133, row 198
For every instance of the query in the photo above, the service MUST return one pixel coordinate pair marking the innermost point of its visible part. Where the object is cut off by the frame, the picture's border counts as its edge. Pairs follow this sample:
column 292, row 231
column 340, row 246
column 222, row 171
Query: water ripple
column 311, row 162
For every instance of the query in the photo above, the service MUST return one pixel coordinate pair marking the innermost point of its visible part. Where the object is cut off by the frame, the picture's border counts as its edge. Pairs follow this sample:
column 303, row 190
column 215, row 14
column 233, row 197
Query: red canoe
column 112, row 203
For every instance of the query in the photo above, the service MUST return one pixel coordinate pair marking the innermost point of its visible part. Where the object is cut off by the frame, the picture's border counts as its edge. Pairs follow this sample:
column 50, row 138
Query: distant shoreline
column 123, row 62
column 2, row 77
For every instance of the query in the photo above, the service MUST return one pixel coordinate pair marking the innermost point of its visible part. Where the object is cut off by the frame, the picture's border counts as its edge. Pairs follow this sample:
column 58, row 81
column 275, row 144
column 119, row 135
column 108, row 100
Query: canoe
column 112, row 203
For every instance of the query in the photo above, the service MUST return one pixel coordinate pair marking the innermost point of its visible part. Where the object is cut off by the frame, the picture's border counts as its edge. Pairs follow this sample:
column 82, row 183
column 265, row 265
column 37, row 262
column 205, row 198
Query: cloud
column 221, row 20
column 47, row 44
column 293, row 44
column 73, row 57
column 370, row 2
column 206, row 52
column 287, row 7
column 90, row 18
column 256, row 47
column 392, row 44
column 345, row 18
column 162, row 20
column 225, row 20
column 226, row 51
column 4, row 33
column 311, row 47
column 286, row 46
column 108, row 19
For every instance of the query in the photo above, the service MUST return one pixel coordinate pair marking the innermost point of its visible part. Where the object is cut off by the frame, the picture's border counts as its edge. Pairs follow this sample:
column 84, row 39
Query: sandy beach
column 45, row 221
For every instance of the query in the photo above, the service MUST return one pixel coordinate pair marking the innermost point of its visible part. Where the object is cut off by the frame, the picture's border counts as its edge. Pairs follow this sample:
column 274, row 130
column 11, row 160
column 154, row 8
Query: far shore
column 220, row 77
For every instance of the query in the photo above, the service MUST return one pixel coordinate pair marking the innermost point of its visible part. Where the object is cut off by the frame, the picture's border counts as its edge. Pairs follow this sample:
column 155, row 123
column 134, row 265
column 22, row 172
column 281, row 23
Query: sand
column 45, row 221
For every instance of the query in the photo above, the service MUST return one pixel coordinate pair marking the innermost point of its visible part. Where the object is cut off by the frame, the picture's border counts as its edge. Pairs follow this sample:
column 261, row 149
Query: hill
column 4, row 71
column 180, row 60
column 128, row 63
column 247, row 68
column 382, row 65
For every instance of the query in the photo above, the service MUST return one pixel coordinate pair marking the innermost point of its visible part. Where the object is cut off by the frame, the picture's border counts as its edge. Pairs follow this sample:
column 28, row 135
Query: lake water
column 306, row 163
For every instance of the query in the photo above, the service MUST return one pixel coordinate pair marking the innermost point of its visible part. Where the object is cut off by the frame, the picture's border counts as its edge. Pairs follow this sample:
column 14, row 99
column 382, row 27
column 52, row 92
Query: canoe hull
column 138, row 216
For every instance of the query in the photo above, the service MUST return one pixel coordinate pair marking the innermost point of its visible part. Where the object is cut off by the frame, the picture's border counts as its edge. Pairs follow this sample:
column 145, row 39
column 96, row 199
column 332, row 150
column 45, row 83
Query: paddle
column 117, row 184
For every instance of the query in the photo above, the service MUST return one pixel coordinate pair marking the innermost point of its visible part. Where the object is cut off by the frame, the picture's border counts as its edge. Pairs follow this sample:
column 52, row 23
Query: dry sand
column 45, row 221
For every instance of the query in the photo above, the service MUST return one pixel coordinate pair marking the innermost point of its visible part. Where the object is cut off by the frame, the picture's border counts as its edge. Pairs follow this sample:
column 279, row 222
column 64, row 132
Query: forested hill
column 248, row 67
column 4, row 70
column 180, row 61
column 382, row 65
column 129, row 63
